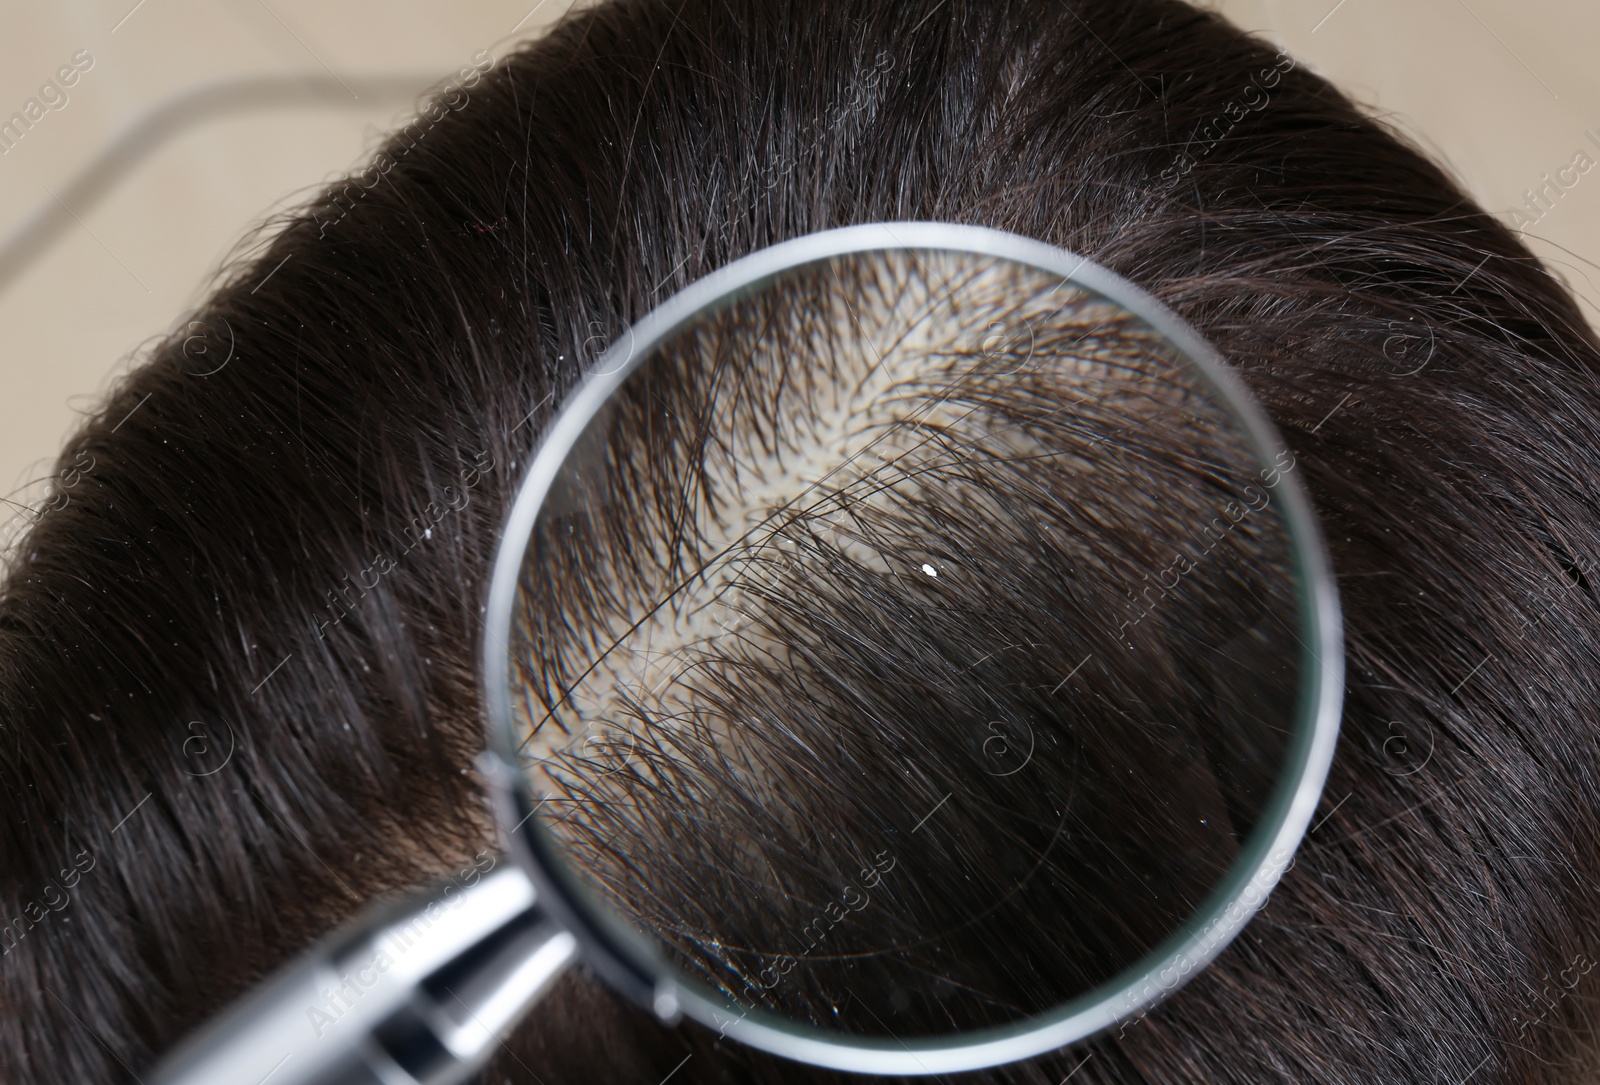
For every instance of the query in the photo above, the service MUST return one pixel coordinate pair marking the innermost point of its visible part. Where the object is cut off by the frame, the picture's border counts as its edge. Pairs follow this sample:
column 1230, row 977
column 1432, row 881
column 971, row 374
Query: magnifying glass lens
column 908, row 643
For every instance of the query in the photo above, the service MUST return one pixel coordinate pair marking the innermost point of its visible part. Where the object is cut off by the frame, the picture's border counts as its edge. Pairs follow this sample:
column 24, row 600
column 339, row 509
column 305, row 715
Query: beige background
column 1500, row 90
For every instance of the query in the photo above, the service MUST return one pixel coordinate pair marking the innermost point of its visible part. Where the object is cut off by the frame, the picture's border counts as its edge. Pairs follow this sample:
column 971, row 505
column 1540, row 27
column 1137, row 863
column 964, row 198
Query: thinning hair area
column 858, row 542
column 239, row 680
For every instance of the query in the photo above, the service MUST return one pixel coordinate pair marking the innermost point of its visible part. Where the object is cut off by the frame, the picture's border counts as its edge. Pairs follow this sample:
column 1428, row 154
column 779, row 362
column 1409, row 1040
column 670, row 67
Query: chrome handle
column 415, row 994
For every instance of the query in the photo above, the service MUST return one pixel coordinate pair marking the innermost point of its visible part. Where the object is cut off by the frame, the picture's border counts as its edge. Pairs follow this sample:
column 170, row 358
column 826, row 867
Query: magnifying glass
column 910, row 651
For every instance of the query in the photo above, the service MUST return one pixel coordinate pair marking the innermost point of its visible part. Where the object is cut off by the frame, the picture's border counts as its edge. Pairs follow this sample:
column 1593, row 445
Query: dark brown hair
column 238, row 691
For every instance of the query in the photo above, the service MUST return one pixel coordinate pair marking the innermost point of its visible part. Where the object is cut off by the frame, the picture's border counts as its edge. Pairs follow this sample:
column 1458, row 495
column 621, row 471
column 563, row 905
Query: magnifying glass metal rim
column 635, row 970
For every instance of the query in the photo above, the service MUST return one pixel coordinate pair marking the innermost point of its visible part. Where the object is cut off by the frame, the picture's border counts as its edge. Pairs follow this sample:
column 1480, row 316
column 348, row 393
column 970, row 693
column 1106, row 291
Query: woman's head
column 287, row 555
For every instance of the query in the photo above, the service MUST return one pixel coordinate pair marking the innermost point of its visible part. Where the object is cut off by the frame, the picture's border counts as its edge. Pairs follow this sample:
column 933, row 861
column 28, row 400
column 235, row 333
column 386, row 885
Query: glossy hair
column 238, row 691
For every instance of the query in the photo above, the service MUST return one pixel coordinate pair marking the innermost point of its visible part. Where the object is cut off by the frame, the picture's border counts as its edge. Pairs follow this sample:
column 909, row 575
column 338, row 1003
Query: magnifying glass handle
column 412, row 994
